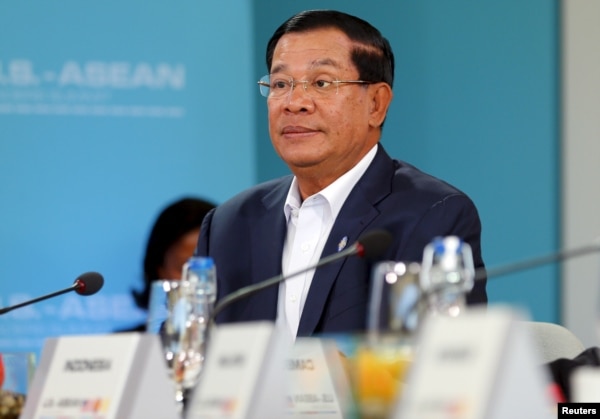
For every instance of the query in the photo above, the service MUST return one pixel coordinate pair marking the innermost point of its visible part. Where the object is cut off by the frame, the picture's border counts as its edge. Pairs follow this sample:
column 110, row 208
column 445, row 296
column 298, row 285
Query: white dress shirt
column 308, row 226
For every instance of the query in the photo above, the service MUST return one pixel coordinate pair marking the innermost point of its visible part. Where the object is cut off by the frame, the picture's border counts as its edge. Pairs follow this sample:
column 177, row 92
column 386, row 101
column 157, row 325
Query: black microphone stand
column 44, row 297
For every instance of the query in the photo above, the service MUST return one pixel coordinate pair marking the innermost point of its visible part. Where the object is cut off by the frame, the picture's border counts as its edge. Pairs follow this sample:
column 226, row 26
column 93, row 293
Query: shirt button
column 305, row 247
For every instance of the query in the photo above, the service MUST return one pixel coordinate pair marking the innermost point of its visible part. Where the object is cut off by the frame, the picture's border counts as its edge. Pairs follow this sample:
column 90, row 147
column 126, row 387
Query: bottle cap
column 200, row 262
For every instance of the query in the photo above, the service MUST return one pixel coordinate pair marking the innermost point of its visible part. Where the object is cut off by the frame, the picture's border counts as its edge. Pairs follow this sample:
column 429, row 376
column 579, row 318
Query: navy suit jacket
column 245, row 237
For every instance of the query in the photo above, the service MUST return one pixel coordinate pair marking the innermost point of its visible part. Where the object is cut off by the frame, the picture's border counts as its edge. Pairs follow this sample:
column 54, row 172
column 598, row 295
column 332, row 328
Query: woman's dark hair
column 373, row 56
column 173, row 222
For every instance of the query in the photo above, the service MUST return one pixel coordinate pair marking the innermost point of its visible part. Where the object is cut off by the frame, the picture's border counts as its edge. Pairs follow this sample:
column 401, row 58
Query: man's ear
column 381, row 97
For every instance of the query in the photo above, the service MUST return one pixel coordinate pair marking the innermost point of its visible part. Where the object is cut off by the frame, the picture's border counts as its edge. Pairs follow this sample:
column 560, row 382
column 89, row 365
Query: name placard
column 585, row 384
column 480, row 364
column 101, row 376
column 318, row 385
column 243, row 375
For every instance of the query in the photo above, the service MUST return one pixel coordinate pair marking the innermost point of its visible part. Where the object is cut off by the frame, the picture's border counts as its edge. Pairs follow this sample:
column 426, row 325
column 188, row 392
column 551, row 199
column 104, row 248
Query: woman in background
column 171, row 243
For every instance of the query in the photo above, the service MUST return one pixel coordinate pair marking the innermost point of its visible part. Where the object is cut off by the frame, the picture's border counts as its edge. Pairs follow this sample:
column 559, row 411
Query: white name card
column 243, row 374
column 318, row 385
column 585, row 384
column 480, row 364
column 102, row 376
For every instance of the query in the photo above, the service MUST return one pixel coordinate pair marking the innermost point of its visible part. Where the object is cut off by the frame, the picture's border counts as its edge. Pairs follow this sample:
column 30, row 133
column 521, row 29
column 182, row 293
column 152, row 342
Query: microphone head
column 88, row 283
column 373, row 243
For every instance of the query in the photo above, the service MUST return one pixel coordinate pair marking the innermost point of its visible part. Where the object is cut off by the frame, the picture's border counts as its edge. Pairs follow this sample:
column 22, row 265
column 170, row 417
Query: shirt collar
column 336, row 193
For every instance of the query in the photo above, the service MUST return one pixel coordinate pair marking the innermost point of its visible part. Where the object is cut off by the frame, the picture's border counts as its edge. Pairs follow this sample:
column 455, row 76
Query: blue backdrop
column 110, row 110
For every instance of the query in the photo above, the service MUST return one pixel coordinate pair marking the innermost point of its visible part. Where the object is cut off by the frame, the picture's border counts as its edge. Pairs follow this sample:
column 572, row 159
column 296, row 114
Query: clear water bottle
column 447, row 275
column 201, row 272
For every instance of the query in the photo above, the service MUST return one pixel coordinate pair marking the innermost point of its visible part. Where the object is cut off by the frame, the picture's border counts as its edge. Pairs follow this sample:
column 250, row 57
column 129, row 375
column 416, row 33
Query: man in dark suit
column 328, row 91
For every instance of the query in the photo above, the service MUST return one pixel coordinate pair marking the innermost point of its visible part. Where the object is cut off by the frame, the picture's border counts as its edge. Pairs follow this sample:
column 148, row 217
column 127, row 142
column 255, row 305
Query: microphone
column 593, row 247
column 369, row 246
column 86, row 284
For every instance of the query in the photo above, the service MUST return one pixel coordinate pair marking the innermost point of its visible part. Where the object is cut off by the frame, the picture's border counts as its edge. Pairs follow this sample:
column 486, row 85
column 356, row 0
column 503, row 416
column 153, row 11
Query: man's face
column 321, row 136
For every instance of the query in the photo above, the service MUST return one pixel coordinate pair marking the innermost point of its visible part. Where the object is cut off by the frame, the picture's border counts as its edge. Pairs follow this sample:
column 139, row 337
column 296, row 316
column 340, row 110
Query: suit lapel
column 267, row 233
column 357, row 213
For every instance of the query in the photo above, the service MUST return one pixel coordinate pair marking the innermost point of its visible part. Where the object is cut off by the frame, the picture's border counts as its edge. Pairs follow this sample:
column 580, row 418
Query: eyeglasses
column 276, row 86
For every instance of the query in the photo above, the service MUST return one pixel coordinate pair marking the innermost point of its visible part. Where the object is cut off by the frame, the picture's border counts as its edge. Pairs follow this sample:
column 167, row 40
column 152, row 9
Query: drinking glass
column 173, row 314
column 164, row 296
column 164, row 320
column 16, row 372
column 382, row 359
column 190, row 319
